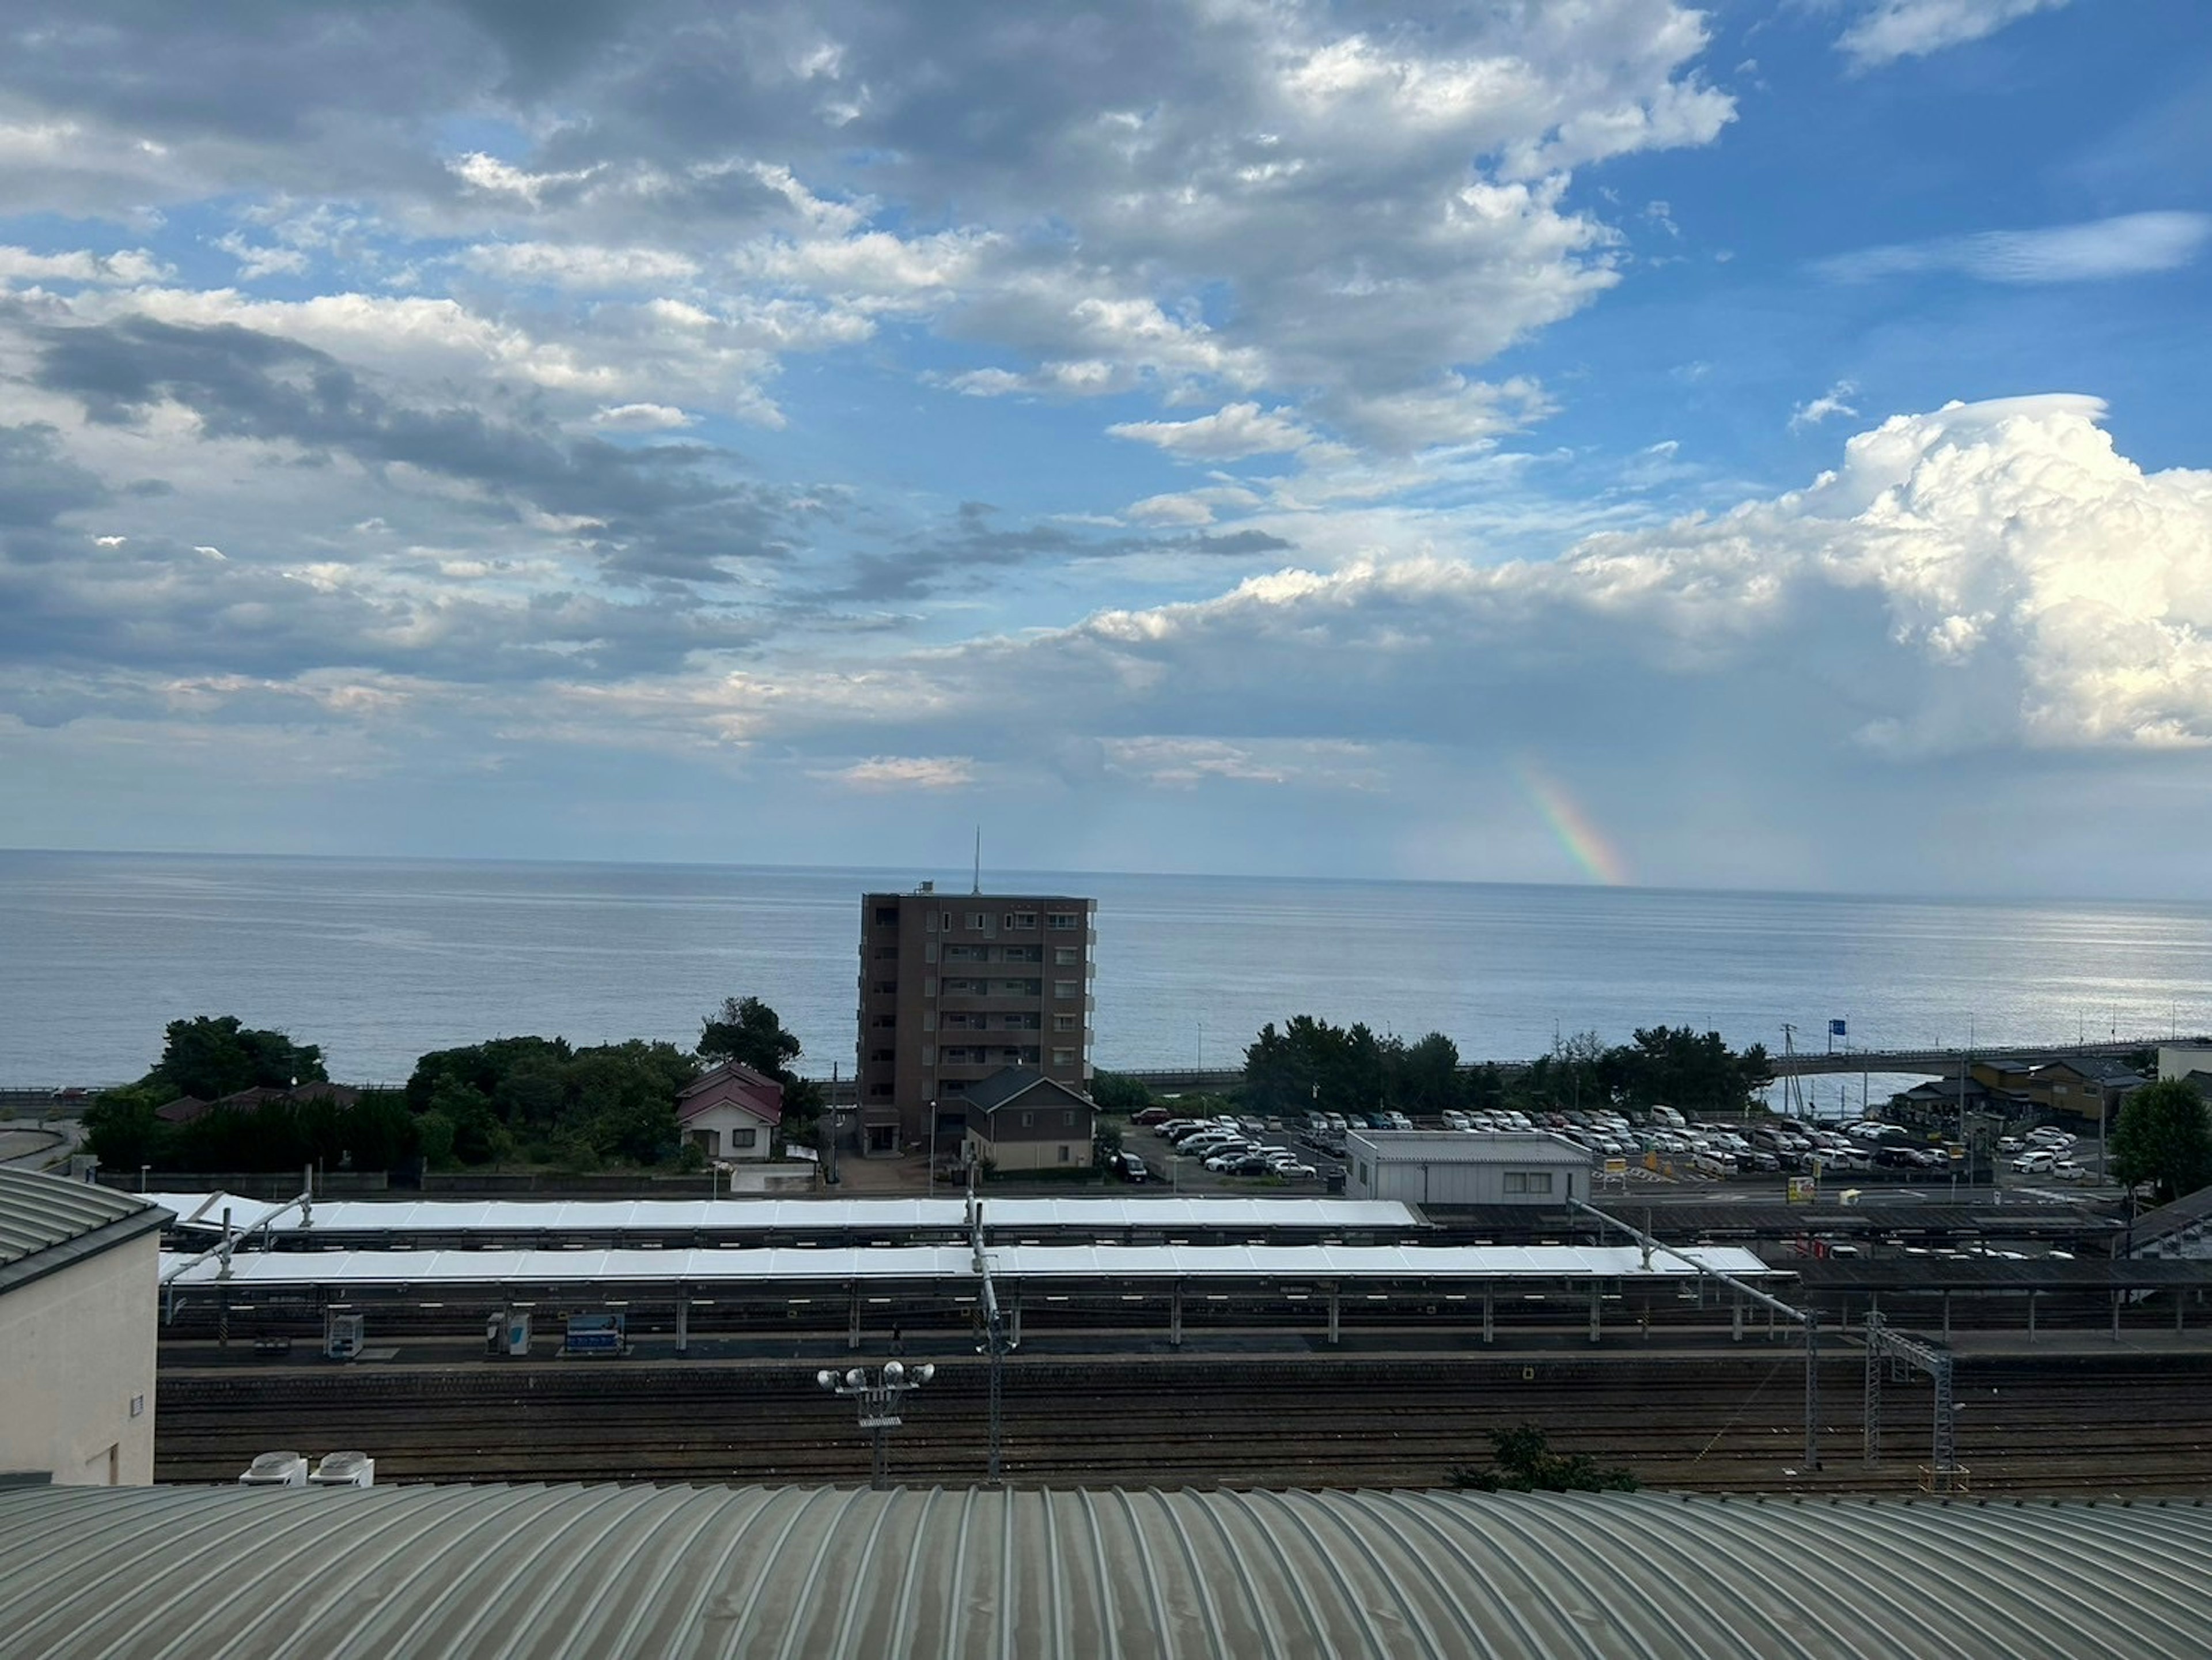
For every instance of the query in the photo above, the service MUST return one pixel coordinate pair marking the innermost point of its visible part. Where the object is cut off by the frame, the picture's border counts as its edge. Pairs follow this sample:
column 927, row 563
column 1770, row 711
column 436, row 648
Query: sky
column 1759, row 445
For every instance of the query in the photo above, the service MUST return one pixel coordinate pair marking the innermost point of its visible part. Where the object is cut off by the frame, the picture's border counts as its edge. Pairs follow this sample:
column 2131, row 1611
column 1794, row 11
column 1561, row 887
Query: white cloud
column 128, row 267
column 2127, row 245
column 642, row 418
column 580, row 265
column 1186, row 762
column 1834, row 401
column 258, row 260
column 905, row 772
column 496, row 177
column 1231, row 434
column 1891, row 29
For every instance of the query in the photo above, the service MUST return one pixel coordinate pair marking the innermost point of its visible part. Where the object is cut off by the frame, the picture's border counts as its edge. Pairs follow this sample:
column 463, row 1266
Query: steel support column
column 1947, row 1317
column 1334, row 1322
column 1812, row 1388
column 1489, row 1319
column 1014, row 1322
column 1736, row 1310
column 853, row 1328
column 1175, row 1317
column 683, row 1319
column 1597, row 1301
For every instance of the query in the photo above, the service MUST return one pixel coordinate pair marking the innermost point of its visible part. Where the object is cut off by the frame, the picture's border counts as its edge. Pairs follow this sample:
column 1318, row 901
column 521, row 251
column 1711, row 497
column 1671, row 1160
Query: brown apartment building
column 955, row 988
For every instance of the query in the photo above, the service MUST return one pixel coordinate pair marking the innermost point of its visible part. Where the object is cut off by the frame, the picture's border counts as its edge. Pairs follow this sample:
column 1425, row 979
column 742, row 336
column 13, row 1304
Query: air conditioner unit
column 345, row 1469
column 275, row 1469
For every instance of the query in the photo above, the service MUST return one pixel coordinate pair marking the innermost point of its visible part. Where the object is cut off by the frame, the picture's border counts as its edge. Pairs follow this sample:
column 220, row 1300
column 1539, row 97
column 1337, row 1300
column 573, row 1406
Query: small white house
column 1449, row 1167
column 731, row 1113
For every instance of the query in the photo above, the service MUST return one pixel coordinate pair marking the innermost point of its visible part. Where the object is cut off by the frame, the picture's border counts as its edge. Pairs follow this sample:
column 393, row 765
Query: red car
column 1152, row 1115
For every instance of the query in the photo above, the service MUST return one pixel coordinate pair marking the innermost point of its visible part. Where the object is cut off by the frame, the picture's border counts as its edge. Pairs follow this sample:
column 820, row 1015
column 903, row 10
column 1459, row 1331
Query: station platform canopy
column 786, row 1216
column 913, row 1264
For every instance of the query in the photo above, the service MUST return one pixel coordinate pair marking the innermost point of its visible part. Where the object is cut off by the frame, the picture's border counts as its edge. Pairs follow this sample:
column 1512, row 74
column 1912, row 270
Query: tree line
column 538, row 1101
column 1310, row 1065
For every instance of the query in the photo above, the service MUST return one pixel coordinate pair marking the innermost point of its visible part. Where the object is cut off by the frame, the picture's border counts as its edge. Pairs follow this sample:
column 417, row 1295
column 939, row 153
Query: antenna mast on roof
column 979, row 858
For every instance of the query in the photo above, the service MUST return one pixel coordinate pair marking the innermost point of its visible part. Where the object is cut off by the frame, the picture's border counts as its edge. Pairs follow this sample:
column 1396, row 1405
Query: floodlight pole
column 879, row 1393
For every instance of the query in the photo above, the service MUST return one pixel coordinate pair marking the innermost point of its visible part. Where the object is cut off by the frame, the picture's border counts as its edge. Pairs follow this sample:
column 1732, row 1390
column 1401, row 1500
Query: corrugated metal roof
column 838, row 1574
column 839, row 1263
column 788, row 1215
column 41, row 1213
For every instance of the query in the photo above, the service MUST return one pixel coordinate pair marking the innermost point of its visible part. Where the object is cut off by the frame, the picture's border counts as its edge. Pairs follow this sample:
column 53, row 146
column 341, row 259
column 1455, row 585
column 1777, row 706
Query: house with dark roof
column 731, row 1112
column 187, row 1107
column 78, row 1313
column 1020, row 1120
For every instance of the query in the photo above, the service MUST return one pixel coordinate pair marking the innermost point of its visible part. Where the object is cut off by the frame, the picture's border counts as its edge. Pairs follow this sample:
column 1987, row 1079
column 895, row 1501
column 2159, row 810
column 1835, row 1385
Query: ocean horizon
column 380, row 960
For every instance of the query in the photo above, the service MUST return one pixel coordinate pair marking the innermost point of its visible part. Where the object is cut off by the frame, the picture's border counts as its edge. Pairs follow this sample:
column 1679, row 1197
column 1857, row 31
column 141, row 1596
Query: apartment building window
column 1064, row 1022
column 1066, row 957
column 1064, row 1152
column 929, row 1055
column 885, row 1022
column 1020, row 919
column 879, row 1089
column 1528, row 1181
column 929, row 922
column 929, row 985
column 929, row 951
column 1062, row 920
column 887, row 916
column 1026, row 1117
column 1067, row 1120
column 965, row 954
column 1063, row 1057
column 887, row 953
column 885, row 987
column 1067, row 988
column 977, row 922
column 882, row 1057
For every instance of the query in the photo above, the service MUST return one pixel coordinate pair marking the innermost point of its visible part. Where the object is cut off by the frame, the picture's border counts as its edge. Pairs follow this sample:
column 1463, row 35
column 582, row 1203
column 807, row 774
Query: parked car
column 1151, row 1116
column 1292, row 1170
column 2035, row 1164
column 2072, row 1170
column 1130, row 1168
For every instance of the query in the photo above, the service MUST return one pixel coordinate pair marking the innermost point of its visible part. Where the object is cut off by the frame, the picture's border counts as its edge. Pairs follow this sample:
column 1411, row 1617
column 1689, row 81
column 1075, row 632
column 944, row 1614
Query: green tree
column 211, row 1056
column 2164, row 1138
column 1114, row 1092
column 1423, row 1077
column 747, row 1030
column 1521, row 1460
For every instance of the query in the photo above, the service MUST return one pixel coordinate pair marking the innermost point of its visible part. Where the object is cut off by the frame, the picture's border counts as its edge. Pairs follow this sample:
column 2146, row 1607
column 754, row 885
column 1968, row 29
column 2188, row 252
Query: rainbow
column 1584, row 843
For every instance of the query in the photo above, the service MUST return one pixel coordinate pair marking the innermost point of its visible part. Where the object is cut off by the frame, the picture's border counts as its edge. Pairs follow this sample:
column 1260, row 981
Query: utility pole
column 995, row 1344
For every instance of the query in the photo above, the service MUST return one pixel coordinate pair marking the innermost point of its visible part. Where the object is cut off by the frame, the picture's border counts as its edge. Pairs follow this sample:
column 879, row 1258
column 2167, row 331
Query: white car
column 1293, row 1170
column 2035, row 1164
column 2072, row 1170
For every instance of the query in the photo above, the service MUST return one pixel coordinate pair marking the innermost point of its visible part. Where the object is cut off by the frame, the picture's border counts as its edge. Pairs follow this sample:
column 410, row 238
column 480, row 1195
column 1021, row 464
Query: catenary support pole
column 1175, row 1317
column 1333, row 1316
column 852, row 1325
column 1597, row 1301
column 683, row 1319
column 1489, row 1318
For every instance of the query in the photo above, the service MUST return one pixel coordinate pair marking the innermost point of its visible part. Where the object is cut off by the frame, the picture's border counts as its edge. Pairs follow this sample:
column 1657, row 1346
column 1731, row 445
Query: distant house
column 1020, row 1120
column 731, row 1112
column 2090, row 1086
column 186, row 1108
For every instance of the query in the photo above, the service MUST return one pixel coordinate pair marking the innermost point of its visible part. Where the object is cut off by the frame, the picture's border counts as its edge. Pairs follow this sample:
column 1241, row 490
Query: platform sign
column 593, row 1334
column 1803, row 1189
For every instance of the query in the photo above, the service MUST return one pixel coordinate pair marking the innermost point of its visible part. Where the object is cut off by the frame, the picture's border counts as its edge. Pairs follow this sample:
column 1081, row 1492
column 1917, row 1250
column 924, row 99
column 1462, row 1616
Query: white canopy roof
column 510, row 1216
column 838, row 1264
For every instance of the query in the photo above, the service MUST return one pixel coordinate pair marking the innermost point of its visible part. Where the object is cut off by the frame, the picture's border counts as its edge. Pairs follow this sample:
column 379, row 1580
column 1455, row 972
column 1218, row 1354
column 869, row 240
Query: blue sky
column 1750, row 446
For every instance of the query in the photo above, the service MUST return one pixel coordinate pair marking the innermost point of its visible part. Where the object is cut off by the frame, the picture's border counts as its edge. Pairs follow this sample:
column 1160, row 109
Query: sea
column 381, row 960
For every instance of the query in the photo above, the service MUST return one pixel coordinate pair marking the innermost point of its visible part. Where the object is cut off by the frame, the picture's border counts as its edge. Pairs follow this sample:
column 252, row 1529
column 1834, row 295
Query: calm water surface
column 380, row 960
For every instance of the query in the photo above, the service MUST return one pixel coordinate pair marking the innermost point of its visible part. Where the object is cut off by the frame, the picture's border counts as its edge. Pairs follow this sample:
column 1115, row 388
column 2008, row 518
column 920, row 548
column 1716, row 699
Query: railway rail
column 2122, row 1425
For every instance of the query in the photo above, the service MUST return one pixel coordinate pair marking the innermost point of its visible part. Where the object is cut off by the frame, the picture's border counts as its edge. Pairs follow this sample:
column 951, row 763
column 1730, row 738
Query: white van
column 1711, row 1161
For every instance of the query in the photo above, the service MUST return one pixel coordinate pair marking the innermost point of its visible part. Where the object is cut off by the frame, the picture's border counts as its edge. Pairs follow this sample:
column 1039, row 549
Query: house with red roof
column 731, row 1112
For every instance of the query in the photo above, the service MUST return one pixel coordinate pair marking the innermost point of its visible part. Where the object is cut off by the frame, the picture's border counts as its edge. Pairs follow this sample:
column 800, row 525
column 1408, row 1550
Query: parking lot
column 1179, row 1173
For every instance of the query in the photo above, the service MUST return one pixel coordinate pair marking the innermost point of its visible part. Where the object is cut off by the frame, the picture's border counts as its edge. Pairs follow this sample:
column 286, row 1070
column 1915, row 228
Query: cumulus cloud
column 1989, row 577
column 2127, row 245
column 1887, row 30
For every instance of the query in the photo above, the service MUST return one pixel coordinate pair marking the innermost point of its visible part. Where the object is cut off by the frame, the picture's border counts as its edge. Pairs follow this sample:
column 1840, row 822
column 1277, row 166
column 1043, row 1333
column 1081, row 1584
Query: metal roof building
column 917, row 1575
column 47, row 1223
column 77, row 1311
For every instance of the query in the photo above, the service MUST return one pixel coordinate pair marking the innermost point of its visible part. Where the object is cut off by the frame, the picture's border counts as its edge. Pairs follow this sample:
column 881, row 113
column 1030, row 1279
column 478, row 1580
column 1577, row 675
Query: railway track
column 1733, row 1424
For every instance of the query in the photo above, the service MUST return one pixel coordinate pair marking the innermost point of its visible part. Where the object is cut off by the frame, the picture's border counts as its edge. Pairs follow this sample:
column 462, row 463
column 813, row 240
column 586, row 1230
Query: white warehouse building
column 1450, row 1167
